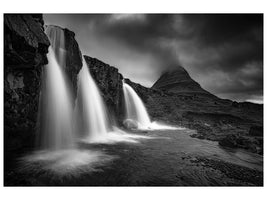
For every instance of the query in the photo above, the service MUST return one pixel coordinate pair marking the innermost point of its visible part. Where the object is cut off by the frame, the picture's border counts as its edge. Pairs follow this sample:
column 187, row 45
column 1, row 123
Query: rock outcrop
column 245, row 142
column 109, row 81
column 25, row 49
column 73, row 58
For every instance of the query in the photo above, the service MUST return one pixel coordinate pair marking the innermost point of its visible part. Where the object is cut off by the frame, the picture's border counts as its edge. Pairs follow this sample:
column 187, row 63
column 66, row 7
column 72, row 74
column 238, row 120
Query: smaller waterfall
column 136, row 111
column 90, row 111
column 135, row 108
column 55, row 106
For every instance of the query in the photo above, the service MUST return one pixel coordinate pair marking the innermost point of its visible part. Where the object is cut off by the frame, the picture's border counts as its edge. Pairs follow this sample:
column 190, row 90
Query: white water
column 135, row 108
column 90, row 110
column 136, row 111
column 55, row 107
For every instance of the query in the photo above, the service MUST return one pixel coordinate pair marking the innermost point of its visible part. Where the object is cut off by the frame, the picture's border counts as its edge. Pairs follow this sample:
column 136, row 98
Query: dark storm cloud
column 237, row 42
column 141, row 32
column 238, row 38
column 223, row 52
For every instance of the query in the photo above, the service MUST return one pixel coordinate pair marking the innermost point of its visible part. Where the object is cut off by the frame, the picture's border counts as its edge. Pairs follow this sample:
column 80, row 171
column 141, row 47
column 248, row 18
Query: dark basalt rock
column 25, row 48
column 109, row 81
column 73, row 58
column 256, row 131
column 244, row 142
column 25, row 43
column 233, row 171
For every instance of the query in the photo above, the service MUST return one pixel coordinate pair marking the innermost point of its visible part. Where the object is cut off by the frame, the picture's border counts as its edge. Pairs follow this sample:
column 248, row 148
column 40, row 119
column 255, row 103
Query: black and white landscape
column 133, row 99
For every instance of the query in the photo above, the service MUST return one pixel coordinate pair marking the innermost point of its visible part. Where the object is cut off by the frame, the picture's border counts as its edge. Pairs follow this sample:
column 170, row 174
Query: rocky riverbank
column 244, row 175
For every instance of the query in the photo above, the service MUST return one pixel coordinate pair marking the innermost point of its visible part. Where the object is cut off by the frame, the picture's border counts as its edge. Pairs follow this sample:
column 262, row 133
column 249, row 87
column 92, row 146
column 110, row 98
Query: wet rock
column 244, row 174
column 73, row 58
column 229, row 141
column 245, row 142
column 130, row 124
column 256, row 131
column 25, row 49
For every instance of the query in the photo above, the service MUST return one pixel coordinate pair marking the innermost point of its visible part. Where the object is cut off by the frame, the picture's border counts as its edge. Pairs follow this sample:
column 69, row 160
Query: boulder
column 130, row 124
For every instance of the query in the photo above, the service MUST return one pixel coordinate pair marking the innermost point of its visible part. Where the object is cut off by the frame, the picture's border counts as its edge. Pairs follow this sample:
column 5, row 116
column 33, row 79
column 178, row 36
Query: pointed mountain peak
column 178, row 80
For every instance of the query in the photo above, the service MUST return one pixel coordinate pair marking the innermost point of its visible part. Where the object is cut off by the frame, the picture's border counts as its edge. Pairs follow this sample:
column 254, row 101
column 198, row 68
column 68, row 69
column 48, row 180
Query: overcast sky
column 224, row 53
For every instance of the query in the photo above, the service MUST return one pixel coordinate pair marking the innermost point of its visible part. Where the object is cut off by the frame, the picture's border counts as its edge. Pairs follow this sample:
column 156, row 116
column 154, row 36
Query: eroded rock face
column 25, row 49
column 109, row 81
column 73, row 58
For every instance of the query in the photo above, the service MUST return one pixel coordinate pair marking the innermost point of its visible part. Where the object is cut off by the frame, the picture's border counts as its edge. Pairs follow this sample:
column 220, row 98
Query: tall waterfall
column 55, row 109
column 135, row 108
column 90, row 111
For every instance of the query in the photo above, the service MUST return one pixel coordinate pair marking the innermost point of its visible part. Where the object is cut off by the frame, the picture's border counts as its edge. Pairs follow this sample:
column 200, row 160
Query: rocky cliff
column 109, row 81
column 73, row 58
column 25, row 49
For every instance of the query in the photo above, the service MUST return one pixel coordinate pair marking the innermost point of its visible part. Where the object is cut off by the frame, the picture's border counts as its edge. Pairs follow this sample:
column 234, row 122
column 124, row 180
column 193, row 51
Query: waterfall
column 136, row 113
column 55, row 109
column 90, row 111
column 135, row 108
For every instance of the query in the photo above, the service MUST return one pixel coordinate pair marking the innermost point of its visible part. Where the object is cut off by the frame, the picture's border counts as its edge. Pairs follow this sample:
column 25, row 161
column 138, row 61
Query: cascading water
column 136, row 111
column 91, row 117
column 58, row 155
column 90, row 111
column 135, row 108
column 55, row 106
